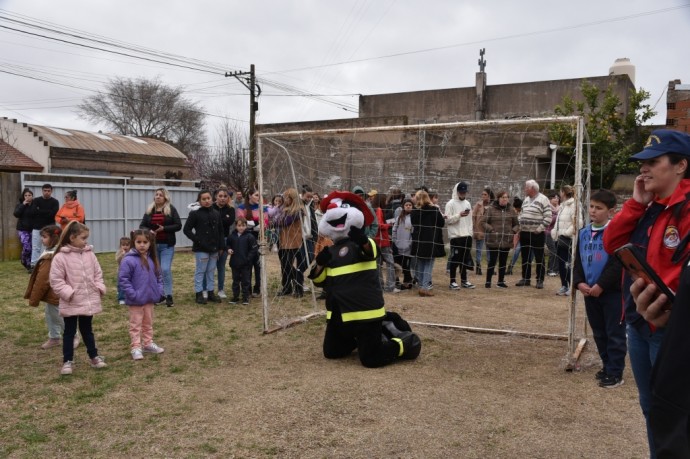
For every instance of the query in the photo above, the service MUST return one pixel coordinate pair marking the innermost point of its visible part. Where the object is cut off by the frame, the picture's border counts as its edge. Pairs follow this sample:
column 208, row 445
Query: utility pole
column 254, row 93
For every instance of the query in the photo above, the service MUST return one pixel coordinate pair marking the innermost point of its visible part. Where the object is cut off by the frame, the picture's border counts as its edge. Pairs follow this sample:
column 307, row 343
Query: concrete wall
column 534, row 99
column 407, row 159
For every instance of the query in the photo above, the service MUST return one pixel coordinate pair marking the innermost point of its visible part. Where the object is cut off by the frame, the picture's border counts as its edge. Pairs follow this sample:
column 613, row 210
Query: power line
column 487, row 40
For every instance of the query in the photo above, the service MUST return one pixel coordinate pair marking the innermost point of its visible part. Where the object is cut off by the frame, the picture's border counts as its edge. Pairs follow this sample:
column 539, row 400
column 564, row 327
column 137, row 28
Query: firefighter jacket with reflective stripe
column 351, row 282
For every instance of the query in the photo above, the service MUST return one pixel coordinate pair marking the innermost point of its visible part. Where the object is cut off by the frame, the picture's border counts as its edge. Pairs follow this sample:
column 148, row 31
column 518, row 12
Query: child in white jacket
column 77, row 279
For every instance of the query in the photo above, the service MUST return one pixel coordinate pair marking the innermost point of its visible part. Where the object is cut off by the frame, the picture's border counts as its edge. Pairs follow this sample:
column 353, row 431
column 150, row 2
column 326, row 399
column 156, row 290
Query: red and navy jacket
column 657, row 229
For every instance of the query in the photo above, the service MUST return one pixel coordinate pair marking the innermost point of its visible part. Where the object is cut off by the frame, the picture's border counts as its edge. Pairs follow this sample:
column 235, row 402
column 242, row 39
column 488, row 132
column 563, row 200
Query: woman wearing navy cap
column 655, row 219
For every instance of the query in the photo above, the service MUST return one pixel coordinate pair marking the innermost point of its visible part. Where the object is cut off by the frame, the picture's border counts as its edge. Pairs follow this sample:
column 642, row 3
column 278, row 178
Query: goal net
column 500, row 155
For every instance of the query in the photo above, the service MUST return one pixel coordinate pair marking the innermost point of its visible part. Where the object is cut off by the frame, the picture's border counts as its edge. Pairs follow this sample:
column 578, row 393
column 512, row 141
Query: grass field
column 223, row 389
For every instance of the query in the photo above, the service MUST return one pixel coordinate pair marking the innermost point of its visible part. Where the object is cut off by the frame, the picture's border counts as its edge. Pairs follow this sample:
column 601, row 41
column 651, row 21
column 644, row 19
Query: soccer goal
column 500, row 155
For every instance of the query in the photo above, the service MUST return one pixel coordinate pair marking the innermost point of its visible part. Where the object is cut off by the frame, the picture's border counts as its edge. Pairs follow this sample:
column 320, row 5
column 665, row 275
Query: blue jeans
column 423, row 269
column 36, row 246
column 205, row 268
column 165, row 258
column 54, row 322
column 643, row 348
column 387, row 258
column 479, row 247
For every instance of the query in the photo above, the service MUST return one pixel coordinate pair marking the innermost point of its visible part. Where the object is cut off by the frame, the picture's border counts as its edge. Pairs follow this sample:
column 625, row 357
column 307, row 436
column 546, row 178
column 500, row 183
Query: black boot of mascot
column 356, row 318
column 396, row 329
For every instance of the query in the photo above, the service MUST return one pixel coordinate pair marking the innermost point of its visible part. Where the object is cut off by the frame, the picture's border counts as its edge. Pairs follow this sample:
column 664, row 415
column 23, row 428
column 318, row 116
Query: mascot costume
column 348, row 273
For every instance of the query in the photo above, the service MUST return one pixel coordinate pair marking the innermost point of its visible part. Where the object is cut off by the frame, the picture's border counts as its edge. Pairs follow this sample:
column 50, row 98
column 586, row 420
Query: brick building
column 678, row 106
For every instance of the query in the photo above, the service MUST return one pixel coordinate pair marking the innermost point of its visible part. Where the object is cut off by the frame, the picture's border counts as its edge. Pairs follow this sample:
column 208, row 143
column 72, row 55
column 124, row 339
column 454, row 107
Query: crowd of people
column 408, row 233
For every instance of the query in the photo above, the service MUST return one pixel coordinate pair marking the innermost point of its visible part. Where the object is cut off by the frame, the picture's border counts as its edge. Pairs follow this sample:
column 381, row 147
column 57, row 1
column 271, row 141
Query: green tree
column 613, row 135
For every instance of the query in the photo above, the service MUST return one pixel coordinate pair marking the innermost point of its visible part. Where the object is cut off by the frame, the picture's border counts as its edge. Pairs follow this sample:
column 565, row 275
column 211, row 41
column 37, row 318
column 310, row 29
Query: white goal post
column 500, row 154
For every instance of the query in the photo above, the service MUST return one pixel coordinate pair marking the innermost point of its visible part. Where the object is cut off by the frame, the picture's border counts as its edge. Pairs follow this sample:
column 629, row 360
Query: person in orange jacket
column 71, row 210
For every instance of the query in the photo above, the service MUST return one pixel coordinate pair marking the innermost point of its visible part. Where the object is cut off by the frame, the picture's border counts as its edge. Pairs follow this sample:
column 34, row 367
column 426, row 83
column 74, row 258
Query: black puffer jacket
column 205, row 229
column 23, row 217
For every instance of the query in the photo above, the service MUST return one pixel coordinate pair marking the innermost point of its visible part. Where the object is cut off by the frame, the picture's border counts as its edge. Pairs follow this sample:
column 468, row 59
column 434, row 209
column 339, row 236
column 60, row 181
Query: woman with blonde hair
column 427, row 221
column 288, row 220
column 162, row 219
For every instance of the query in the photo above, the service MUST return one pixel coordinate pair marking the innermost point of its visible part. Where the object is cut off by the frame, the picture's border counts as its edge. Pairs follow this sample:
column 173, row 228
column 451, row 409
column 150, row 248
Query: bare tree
column 147, row 108
column 227, row 162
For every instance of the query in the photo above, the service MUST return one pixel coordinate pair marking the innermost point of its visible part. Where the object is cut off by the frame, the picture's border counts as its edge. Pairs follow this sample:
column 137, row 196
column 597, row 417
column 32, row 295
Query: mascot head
column 341, row 211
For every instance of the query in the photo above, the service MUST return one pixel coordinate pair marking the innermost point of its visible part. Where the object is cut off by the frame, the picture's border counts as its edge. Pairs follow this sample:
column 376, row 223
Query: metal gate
column 114, row 206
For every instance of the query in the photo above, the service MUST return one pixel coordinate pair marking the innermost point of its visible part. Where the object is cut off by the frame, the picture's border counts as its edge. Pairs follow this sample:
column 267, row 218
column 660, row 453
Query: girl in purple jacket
column 140, row 279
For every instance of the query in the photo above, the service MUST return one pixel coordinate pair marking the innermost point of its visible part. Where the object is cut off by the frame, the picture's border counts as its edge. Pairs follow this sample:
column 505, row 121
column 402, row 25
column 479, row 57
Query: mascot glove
column 357, row 236
column 323, row 257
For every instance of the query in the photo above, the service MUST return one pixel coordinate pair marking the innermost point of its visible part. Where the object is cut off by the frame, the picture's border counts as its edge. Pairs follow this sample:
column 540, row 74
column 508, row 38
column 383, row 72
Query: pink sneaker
column 52, row 342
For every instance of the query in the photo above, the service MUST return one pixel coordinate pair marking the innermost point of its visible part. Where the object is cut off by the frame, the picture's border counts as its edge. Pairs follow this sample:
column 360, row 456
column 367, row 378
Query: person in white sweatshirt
column 459, row 223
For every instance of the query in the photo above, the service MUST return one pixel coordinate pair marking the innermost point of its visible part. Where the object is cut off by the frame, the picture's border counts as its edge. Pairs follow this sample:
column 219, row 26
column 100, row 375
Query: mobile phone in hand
column 636, row 265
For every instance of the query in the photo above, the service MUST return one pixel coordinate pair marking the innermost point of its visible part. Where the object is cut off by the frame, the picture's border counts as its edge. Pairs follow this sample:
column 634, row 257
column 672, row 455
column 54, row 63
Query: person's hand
column 230, row 251
column 651, row 305
column 357, row 236
column 323, row 257
column 584, row 288
column 639, row 193
column 64, row 220
column 465, row 213
column 596, row 291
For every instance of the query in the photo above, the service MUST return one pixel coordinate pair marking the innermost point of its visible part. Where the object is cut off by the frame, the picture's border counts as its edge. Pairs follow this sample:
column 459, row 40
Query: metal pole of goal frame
column 578, row 217
column 262, row 234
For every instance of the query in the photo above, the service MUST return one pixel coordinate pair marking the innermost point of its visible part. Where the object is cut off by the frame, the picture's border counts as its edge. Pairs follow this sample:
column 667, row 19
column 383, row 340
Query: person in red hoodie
column 383, row 240
column 655, row 220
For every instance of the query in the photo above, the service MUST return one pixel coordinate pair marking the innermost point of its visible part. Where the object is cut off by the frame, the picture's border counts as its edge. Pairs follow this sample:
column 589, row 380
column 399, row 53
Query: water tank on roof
column 622, row 66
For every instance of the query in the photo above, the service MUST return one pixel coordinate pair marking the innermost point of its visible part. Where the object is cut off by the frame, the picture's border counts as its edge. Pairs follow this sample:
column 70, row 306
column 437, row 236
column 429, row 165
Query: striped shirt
column 536, row 214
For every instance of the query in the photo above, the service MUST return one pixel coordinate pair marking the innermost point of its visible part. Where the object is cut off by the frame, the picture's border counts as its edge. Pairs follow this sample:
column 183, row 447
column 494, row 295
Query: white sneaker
column 222, row 295
column 98, row 362
column 467, row 284
column 153, row 348
column 454, row 286
column 205, row 294
column 121, row 302
column 137, row 354
column 396, row 290
column 562, row 291
column 67, row 368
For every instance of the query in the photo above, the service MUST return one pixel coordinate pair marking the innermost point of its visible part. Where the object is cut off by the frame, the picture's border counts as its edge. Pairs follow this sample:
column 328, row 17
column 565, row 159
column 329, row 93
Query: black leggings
column 86, row 331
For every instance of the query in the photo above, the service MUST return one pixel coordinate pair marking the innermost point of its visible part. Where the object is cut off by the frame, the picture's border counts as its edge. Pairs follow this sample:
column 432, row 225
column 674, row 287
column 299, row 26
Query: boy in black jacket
column 597, row 276
column 243, row 252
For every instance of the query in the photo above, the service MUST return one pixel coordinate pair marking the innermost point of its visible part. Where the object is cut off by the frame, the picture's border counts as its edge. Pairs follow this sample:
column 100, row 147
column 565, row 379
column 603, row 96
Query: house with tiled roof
column 13, row 160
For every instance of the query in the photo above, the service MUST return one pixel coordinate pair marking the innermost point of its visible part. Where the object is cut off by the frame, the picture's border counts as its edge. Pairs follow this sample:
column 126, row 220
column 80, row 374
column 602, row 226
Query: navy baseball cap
column 664, row 141
column 462, row 187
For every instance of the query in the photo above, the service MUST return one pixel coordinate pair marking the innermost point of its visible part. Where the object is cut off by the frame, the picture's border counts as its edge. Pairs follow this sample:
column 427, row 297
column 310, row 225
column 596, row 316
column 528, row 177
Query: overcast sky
column 334, row 49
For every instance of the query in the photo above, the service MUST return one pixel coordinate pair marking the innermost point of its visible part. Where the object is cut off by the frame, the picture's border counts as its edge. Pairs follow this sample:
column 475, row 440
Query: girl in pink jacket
column 77, row 279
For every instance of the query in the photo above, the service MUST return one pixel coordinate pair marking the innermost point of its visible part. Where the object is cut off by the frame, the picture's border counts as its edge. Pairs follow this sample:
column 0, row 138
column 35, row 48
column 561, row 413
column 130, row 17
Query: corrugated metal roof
column 82, row 140
column 12, row 159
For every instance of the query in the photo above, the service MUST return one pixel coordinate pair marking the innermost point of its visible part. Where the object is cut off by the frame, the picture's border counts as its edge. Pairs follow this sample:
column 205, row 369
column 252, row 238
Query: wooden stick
column 572, row 362
column 292, row 323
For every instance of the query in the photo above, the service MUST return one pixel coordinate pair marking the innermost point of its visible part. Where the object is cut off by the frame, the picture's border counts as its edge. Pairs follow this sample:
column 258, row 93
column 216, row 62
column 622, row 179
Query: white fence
column 115, row 205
